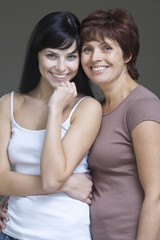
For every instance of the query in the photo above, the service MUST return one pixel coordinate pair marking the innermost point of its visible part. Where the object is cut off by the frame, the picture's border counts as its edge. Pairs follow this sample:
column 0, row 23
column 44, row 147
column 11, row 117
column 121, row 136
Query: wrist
column 54, row 110
column 63, row 188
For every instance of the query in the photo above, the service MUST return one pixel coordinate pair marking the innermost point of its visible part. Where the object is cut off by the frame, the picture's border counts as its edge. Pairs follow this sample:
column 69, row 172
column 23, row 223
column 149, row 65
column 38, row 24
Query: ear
column 128, row 59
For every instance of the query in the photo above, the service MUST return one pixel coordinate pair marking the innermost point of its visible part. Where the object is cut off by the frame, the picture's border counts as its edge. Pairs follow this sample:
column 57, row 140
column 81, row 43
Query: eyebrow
column 74, row 51
column 101, row 43
column 85, row 44
column 52, row 51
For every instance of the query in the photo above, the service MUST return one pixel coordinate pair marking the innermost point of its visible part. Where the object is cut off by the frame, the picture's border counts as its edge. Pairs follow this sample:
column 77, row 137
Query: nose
column 96, row 55
column 61, row 65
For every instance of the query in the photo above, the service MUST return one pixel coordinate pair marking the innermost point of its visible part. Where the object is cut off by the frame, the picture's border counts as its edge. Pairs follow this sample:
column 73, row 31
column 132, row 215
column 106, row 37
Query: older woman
column 125, row 158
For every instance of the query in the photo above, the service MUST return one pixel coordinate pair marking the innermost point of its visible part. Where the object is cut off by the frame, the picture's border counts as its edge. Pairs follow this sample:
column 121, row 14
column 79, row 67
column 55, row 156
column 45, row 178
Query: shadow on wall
column 1, row 197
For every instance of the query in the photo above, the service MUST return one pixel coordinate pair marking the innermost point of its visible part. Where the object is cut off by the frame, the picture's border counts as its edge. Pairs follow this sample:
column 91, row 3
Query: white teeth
column 59, row 76
column 98, row 68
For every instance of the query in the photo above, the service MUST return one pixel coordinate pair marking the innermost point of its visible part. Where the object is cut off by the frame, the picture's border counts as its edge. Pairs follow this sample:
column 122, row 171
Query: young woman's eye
column 72, row 57
column 51, row 56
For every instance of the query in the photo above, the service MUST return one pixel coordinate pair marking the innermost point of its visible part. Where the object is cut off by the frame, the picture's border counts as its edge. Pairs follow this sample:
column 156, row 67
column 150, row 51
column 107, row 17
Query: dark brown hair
column 55, row 30
column 118, row 25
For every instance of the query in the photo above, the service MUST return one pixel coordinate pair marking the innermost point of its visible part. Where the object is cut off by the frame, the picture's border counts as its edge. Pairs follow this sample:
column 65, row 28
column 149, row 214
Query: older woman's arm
column 146, row 141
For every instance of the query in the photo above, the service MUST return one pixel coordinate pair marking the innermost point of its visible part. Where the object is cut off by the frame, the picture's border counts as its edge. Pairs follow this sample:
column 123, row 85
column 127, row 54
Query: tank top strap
column 12, row 94
column 75, row 106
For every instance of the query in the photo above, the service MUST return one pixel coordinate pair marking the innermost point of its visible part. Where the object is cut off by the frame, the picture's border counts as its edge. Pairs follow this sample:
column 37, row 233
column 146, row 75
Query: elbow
column 50, row 185
column 153, row 198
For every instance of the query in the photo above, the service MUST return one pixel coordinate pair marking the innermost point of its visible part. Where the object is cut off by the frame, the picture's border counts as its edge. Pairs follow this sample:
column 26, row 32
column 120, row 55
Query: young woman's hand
column 3, row 210
column 79, row 186
column 63, row 95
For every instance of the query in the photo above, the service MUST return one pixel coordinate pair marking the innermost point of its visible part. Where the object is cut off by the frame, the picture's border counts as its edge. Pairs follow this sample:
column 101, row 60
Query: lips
column 99, row 69
column 58, row 76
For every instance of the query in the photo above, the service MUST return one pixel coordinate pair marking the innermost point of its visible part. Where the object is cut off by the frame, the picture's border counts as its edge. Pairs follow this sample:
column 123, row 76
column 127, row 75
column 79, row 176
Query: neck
column 42, row 91
column 115, row 93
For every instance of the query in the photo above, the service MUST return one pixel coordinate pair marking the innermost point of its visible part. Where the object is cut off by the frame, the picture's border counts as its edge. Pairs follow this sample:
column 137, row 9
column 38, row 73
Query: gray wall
column 18, row 17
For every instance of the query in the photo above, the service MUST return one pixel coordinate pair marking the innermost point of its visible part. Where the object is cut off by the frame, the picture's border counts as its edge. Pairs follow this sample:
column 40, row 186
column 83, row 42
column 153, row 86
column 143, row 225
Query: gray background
column 18, row 17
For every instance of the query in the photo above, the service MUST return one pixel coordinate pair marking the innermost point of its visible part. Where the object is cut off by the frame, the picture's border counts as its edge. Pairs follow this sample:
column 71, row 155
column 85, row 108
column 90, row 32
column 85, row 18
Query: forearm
column 59, row 156
column 149, row 221
column 53, row 158
column 18, row 184
column 78, row 186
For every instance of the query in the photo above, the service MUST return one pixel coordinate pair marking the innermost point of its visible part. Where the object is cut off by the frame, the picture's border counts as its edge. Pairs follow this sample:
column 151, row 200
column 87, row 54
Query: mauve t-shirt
column 118, row 194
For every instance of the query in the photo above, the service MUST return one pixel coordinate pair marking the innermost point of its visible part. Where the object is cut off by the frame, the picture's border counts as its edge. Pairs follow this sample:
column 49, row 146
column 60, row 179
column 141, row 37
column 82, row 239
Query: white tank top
column 43, row 217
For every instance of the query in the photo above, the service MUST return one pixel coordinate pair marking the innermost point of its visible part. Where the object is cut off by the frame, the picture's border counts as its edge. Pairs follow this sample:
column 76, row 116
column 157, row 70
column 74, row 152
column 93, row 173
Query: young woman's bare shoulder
column 5, row 101
column 18, row 100
column 91, row 104
column 88, row 107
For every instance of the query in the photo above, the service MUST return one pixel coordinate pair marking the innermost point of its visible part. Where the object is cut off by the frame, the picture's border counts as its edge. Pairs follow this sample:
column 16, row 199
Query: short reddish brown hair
column 118, row 25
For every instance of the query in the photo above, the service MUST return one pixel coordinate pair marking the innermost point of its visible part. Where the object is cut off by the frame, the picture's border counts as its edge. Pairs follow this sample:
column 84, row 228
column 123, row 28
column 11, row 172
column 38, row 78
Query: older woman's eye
column 86, row 49
column 107, row 48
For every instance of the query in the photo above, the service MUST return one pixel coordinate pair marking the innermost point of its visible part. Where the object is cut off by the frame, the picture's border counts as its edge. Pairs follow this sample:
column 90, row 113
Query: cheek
column 83, row 61
column 75, row 66
column 42, row 65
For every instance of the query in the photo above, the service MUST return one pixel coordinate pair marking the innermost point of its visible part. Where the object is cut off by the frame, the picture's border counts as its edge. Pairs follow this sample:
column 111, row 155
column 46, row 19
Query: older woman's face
column 103, row 61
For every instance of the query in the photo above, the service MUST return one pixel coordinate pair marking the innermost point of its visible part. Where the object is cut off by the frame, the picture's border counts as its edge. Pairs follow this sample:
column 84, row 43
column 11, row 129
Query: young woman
column 125, row 158
column 47, row 128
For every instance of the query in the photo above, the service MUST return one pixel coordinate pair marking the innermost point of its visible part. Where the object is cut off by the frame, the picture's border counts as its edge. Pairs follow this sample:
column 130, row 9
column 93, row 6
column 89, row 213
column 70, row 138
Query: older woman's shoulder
column 143, row 92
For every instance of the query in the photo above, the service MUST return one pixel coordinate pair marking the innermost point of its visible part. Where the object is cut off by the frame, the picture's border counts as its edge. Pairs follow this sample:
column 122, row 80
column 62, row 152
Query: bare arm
column 60, row 157
column 12, row 183
column 78, row 186
column 146, row 140
column 18, row 184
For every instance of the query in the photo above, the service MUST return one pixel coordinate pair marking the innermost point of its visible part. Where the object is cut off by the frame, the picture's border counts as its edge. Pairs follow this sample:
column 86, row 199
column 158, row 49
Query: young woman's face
column 57, row 65
column 103, row 61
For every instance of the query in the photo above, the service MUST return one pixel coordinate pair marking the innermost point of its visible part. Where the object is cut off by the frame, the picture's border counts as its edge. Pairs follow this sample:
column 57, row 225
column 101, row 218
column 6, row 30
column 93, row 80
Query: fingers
column 2, row 226
column 90, row 196
column 4, row 202
column 89, row 182
column 71, row 87
column 80, row 187
column 3, row 210
column 63, row 95
column 89, row 199
column 4, row 216
column 88, row 176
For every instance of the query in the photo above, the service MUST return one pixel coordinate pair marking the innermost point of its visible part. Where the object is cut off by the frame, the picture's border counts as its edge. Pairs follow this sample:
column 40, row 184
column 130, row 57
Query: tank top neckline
column 41, row 130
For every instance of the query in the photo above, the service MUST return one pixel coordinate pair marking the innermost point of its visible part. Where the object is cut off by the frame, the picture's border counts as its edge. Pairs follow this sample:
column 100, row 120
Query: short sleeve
column 143, row 109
